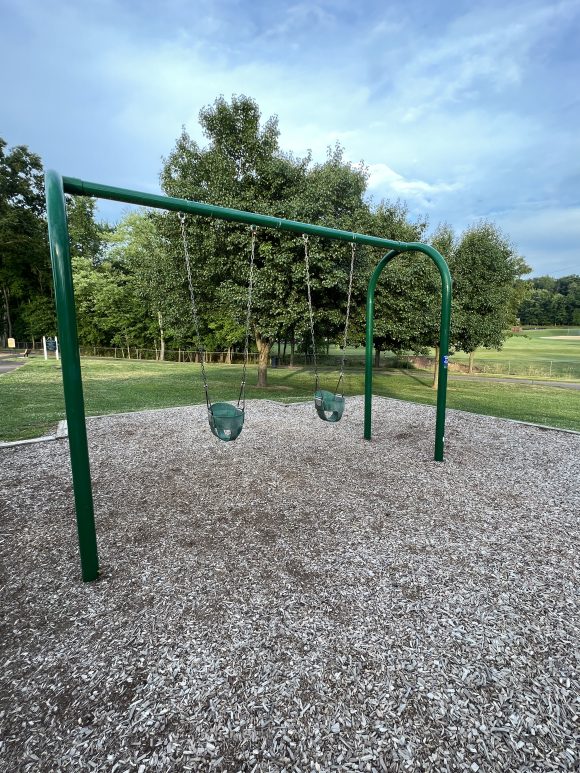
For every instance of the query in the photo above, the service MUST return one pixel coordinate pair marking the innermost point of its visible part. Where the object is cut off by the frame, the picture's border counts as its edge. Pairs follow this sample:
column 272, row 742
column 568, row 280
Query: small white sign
column 11, row 343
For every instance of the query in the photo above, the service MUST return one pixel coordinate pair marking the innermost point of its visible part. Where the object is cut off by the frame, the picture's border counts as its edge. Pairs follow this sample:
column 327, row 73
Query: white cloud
column 382, row 176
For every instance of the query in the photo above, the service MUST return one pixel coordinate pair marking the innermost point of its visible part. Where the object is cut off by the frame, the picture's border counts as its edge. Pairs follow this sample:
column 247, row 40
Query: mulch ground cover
column 298, row 600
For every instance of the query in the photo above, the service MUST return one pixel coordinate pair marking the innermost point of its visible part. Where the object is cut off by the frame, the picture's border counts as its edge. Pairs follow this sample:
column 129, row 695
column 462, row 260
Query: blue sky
column 464, row 110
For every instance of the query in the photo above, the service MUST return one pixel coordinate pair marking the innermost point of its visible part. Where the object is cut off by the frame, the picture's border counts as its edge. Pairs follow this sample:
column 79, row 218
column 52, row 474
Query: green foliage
column 87, row 237
column 486, row 275
column 408, row 292
column 137, row 247
column 131, row 285
column 108, row 309
column 333, row 195
column 24, row 256
column 550, row 301
column 243, row 167
column 485, row 268
column 38, row 316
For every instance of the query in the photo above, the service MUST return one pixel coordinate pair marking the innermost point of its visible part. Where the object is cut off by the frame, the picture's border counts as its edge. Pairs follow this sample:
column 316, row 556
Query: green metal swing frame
column 56, row 187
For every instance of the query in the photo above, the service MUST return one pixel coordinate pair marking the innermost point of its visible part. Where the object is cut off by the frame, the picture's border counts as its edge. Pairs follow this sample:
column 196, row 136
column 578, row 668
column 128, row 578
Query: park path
column 10, row 363
column 7, row 365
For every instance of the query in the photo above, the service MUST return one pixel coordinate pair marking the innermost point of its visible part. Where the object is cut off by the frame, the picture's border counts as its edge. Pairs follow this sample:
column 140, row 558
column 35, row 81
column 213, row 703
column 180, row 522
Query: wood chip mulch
column 299, row 600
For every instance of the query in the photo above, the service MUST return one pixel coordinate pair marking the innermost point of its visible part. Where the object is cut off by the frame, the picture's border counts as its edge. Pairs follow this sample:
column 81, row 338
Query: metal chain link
column 307, row 265
column 200, row 349
column 242, row 395
column 352, row 256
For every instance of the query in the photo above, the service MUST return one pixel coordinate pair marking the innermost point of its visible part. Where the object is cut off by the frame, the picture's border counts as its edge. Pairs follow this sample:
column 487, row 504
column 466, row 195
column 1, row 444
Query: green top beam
column 84, row 188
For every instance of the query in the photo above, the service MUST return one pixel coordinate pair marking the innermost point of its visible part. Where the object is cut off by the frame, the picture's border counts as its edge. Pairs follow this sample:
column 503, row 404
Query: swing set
column 226, row 420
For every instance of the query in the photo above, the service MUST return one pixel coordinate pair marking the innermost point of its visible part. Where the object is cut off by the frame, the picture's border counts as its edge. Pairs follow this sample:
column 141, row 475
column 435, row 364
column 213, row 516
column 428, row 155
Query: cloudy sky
column 464, row 110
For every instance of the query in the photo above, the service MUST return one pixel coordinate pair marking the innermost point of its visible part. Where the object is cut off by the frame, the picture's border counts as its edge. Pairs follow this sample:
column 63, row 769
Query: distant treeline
column 551, row 301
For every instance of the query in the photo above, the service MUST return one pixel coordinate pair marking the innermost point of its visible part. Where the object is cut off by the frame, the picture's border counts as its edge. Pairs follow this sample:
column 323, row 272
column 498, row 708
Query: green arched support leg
column 226, row 421
column 329, row 406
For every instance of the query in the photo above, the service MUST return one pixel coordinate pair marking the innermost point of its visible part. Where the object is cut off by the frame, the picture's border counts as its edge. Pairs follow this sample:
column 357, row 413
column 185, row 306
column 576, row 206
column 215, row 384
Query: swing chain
column 200, row 349
column 307, row 266
column 242, row 395
column 349, row 297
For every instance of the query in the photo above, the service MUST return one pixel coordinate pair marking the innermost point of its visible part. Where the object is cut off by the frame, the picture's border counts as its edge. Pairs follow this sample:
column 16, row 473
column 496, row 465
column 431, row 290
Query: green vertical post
column 444, row 327
column 370, row 323
column 444, row 331
column 71, row 374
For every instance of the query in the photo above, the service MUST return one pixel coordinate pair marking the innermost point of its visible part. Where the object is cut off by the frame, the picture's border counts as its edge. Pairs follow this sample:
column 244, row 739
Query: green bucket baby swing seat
column 329, row 405
column 226, row 421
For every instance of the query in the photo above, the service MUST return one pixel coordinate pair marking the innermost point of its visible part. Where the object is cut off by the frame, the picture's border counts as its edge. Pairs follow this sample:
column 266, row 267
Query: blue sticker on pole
column 445, row 360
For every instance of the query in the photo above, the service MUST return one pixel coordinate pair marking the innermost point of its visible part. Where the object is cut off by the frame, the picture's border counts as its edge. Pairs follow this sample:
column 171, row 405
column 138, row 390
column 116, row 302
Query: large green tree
column 486, row 273
column 404, row 289
column 88, row 238
column 485, row 269
column 109, row 310
column 243, row 167
column 137, row 245
column 25, row 279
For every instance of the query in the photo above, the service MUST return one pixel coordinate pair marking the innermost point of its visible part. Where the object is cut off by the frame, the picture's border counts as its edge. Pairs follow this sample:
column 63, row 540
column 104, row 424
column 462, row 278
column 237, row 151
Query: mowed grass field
column 547, row 353
column 31, row 398
column 550, row 344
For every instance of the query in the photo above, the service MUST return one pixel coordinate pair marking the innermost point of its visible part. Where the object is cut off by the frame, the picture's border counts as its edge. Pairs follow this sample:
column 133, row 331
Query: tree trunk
column 284, row 350
column 471, row 358
column 377, row 357
column 436, row 369
column 264, row 345
column 292, row 345
column 161, row 337
column 229, row 356
column 7, row 311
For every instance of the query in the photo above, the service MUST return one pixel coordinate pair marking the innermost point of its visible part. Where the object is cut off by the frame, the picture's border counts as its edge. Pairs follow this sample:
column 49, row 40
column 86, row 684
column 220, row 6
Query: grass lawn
column 533, row 345
column 531, row 354
column 31, row 398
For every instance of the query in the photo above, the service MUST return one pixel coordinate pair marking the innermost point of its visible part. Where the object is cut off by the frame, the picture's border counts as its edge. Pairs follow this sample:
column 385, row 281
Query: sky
column 463, row 110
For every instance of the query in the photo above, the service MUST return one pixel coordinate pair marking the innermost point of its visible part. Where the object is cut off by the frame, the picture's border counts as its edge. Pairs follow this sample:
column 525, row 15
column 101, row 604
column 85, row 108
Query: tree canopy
column 130, row 280
column 243, row 167
column 25, row 283
column 485, row 269
column 550, row 301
